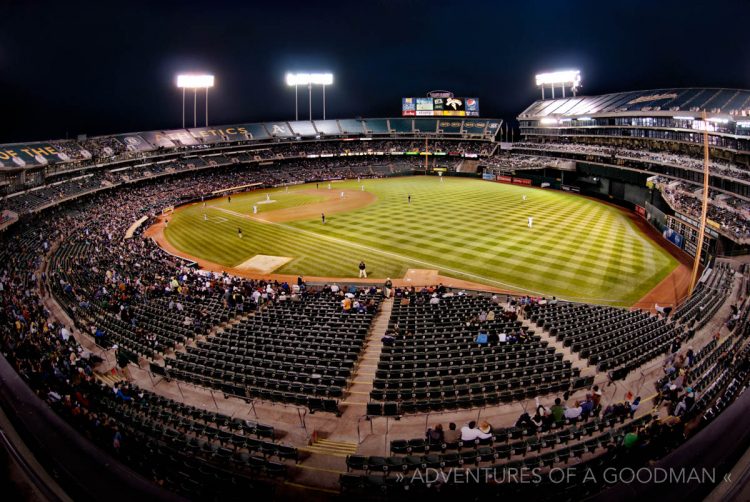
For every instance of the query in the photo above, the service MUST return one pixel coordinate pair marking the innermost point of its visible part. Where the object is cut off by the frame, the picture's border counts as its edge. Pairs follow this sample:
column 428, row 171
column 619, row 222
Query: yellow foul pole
column 704, row 208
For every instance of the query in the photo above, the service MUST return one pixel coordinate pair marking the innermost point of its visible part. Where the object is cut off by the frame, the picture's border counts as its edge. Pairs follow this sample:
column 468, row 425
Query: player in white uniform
column 531, row 222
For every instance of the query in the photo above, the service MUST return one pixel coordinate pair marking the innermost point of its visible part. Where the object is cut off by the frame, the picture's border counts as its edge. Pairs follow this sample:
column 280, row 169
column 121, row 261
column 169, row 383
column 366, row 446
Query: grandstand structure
column 615, row 145
column 215, row 386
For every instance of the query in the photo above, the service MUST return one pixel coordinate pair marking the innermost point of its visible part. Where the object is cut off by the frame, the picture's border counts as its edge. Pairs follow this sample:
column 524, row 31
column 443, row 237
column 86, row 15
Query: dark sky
column 102, row 67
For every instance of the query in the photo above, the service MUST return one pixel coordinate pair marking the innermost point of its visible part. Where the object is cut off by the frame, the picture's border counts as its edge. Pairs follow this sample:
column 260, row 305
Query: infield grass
column 578, row 249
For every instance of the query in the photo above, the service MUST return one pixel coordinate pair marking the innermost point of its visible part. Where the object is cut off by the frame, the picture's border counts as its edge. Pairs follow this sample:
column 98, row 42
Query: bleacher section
column 607, row 337
column 620, row 341
column 352, row 126
column 70, row 183
column 377, row 126
column 495, row 465
column 294, row 352
column 435, row 363
column 192, row 451
column 401, row 126
column 624, row 136
column 328, row 127
column 428, row 126
column 706, row 299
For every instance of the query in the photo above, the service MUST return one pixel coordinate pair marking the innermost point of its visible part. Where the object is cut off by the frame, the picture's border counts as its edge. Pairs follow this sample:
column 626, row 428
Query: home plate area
column 263, row 264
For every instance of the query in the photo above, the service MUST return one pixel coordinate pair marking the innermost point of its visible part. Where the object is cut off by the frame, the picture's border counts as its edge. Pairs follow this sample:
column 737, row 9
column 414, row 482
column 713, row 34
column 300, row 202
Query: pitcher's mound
column 263, row 264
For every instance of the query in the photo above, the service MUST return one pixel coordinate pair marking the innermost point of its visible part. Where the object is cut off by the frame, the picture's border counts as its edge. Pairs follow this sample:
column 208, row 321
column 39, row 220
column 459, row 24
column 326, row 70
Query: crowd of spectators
column 115, row 275
column 508, row 163
column 718, row 167
column 333, row 160
column 104, row 147
column 92, row 152
column 731, row 213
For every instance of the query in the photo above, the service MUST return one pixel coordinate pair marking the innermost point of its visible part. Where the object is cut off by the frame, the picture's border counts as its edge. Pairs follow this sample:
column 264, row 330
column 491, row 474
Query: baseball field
column 577, row 248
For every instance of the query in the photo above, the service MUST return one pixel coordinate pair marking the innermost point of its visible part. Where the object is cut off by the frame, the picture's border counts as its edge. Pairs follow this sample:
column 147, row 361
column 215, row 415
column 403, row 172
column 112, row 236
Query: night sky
column 68, row 68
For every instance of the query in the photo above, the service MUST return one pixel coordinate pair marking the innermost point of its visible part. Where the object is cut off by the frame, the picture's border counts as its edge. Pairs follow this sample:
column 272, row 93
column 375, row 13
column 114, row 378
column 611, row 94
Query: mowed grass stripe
column 415, row 261
column 578, row 248
column 259, row 238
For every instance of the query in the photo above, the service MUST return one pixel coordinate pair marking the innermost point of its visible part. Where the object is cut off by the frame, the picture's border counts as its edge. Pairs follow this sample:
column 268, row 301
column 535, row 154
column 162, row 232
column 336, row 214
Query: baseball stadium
column 433, row 303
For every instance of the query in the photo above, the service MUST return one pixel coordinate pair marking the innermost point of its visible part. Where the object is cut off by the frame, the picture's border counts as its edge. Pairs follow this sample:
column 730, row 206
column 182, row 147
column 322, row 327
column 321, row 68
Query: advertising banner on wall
column 674, row 237
column 521, row 181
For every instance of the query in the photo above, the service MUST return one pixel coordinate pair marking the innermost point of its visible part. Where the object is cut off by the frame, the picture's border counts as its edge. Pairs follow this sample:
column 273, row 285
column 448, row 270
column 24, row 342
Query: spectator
column 469, row 432
column 557, row 411
column 451, row 435
column 435, row 434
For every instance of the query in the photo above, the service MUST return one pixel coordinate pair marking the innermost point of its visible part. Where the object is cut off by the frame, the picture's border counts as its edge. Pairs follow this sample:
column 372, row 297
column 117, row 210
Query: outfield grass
column 579, row 249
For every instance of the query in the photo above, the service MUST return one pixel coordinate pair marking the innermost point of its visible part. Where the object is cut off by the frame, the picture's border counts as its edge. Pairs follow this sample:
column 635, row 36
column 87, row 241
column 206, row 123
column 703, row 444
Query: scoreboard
column 440, row 107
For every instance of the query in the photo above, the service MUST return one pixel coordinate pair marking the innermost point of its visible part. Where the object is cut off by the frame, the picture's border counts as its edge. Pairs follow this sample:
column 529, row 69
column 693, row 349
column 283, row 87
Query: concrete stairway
column 359, row 392
column 569, row 355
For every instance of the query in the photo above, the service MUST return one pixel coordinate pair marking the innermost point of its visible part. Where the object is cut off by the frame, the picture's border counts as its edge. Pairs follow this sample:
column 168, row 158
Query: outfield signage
column 134, row 142
column 695, row 224
column 674, row 237
column 712, row 223
column 219, row 135
column 158, row 139
column 181, row 137
column 521, row 181
column 512, row 179
column 35, row 154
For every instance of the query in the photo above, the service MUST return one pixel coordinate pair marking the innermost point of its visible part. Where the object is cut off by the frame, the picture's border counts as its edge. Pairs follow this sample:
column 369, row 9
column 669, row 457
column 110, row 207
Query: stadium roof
column 734, row 102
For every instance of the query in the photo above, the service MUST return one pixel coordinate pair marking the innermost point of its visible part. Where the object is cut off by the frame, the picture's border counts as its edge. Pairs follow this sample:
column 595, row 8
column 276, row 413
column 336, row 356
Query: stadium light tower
column 308, row 79
column 569, row 77
column 194, row 82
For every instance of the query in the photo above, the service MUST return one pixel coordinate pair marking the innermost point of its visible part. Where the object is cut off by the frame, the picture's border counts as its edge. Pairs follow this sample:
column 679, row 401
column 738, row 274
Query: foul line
column 406, row 258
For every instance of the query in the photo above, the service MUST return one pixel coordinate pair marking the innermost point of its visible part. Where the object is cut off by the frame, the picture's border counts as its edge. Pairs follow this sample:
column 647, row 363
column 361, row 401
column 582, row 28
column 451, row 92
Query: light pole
column 194, row 82
column 569, row 77
column 308, row 79
column 324, row 101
